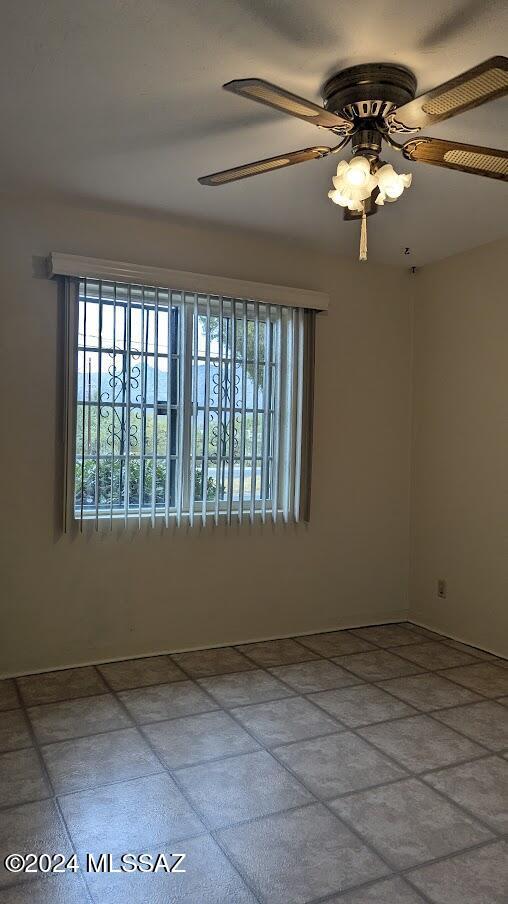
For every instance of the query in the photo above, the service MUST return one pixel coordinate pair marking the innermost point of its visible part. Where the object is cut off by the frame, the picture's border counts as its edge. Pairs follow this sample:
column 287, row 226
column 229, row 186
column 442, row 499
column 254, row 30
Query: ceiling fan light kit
column 367, row 104
column 355, row 182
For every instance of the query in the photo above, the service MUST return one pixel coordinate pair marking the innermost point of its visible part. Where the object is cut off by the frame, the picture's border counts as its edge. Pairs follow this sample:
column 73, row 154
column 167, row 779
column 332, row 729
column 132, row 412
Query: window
column 183, row 406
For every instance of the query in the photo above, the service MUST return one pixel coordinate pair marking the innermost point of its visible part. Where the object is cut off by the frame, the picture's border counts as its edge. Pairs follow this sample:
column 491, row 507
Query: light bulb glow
column 356, row 178
column 358, row 172
column 390, row 183
column 338, row 198
column 354, row 183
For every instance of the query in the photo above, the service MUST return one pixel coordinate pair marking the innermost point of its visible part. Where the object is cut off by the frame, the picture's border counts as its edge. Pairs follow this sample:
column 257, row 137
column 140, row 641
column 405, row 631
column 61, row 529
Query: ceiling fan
column 366, row 105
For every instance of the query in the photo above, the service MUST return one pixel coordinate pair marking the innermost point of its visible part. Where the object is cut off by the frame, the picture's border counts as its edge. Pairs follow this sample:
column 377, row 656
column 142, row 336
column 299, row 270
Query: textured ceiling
column 119, row 101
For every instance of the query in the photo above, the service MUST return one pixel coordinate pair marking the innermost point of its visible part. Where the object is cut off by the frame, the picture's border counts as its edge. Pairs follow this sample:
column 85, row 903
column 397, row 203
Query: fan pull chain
column 363, row 236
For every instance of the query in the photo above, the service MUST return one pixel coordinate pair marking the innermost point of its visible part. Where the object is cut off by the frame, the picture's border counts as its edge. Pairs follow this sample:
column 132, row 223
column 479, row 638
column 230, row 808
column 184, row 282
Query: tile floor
column 355, row 767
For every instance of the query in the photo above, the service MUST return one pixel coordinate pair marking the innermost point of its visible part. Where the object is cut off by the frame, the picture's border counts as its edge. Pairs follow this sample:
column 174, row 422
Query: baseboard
column 214, row 646
column 468, row 643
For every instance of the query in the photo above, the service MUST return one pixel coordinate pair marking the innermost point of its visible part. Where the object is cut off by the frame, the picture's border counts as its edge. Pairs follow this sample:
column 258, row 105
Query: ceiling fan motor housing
column 369, row 91
column 366, row 141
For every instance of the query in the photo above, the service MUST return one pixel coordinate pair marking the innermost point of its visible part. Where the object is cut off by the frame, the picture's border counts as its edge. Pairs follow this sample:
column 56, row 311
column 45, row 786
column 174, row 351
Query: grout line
column 189, row 800
column 183, row 792
column 65, row 793
column 200, row 712
column 341, row 727
column 376, row 647
column 308, row 789
column 446, row 637
column 362, row 724
column 404, row 873
column 411, row 773
column 313, row 657
column 215, row 832
column 218, row 646
column 83, row 737
column 50, row 786
column 471, row 665
column 497, row 834
column 473, row 759
column 470, row 660
column 382, row 685
column 28, row 706
column 365, row 886
column 375, row 683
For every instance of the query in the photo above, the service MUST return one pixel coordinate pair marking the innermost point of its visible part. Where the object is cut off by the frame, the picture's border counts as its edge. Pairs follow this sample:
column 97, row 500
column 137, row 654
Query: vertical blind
column 185, row 407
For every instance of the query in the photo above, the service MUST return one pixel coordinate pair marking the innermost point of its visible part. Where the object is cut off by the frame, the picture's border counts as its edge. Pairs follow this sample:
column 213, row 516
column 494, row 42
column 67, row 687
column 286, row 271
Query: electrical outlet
column 441, row 588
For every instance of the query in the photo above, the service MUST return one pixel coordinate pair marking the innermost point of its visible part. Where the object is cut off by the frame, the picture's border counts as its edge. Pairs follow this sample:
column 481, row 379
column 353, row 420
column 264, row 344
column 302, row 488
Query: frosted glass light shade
column 358, row 172
column 338, row 198
column 390, row 183
column 354, row 183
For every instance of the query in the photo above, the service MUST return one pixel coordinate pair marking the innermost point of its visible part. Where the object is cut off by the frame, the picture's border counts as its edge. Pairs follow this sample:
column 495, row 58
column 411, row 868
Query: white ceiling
column 120, row 101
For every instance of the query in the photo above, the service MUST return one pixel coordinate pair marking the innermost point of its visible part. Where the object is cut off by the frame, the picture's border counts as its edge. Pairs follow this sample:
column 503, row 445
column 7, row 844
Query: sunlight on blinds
column 187, row 407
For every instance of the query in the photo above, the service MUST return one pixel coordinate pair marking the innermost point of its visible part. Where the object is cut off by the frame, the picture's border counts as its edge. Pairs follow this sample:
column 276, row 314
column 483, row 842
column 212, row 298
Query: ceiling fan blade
column 467, row 158
column 273, row 96
column 470, row 89
column 263, row 166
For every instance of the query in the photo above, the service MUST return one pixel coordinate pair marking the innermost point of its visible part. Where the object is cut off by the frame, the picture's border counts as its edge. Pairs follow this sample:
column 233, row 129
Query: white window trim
column 62, row 264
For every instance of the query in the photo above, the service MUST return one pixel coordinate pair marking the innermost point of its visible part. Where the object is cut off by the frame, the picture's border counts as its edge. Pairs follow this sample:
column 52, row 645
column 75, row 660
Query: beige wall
column 459, row 511
column 67, row 601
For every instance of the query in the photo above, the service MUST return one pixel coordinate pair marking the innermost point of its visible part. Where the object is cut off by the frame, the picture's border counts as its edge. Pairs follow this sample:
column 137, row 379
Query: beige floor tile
column 473, row 651
column 21, row 778
column 300, row 856
column 77, row 718
column 276, row 652
column 30, row 828
column 377, row 665
column 195, row 739
column 485, row 722
column 483, row 677
column 283, row 721
column 346, row 742
column 242, row 688
column 14, row 731
column 141, row 672
column 432, row 656
column 428, row 691
column 337, row 764
column 481, row 787
column 475, row 877
column 420, row 743
column 202, row 663
column 306, row 677
column 64, row 888
column 209, row 879
column 239, row 788
column 388, row 891
column 335, row 643
column 63, row 685
column 408, row 823
column 387, row 635
column 98, row 760
column 166, row 701
column 425, row 632
column 129, row 816
column 361, row 705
